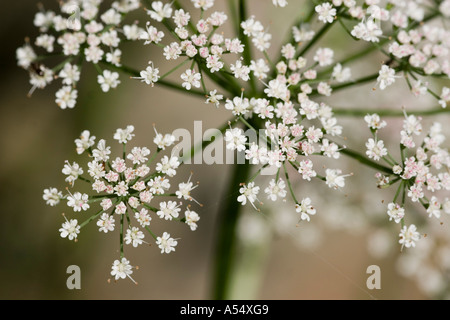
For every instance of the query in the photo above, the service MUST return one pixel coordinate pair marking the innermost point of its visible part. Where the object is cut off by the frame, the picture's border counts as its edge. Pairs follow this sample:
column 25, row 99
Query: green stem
column 387, row 112
column 135, row 73
column 174, row 69
column 121, row 236
column 400, row 188
column 357, row 156
column 316, row 38
column 227, row 238
column 288, row 181
column 345, row 85
column 95, row 216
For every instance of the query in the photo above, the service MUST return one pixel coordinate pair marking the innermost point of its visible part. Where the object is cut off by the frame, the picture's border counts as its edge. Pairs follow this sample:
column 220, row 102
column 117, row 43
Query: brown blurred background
column 37, row 137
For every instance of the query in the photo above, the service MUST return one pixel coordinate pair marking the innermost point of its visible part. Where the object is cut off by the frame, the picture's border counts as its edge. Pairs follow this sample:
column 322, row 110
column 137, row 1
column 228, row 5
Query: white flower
column 70, row 74
column 419, row 89
column 386, row 77
column 114, row 57
column 276, row 189
column 124, row 135
column 143, row 217
column 121, row 208
column 445, row 97
column 151, row 35
column 375, row 149
column 122, row 269
column 306, row 209
column 368, row 31
column 45, row 41
column 134, row 236
column 78, row 201
column 446, row 206
column 121, row 189
column 434, row 208
column 191, row 79
column 181, row 18
column 138, row 155
column 102, row 152
column 111, row 16
column 70, row 229
column 66, row 97
column 235, row 139
column 160, row 11
column 416, row 193
column 191, row 219
column 248, row 192
column 280, row 3
column 132, row 32
column 302, row 34
column 40, row 79
column 326, row 12
column 184, row 190
column 203, row 4
column 240, row 71
column 172, row 51
column 262, row 41
column 334, row 179
column 168, row 166
column 166, row 243
column 25, row 56
column 341, row 74
column 374, row 122
column 94, row 54
column 168, row 210
column 277, row 89
column 164, row 141
column 324, row 56
column 306, row 169
column 213, row 63
column 260, row 68
column 409, row 236
column 52, row 196
column 72, row 172
column 238, row 106
column 330, row 149
column 214, row 98
column 251, row 27
column 106, row 204
column 108, row 80
column 395, row 212
column 158, row 185
column 106, row 223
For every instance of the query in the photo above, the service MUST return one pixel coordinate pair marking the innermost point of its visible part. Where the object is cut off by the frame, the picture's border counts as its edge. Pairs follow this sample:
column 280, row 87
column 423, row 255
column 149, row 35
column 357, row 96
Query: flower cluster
column 198, row 42
column 402, row 30
column 125, row 189
column 294, row 124
column 423, row 172
column 79, row 33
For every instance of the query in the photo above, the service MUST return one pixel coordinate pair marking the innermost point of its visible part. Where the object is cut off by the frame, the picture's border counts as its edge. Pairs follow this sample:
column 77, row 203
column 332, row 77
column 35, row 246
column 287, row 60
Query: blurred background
column 276, row 259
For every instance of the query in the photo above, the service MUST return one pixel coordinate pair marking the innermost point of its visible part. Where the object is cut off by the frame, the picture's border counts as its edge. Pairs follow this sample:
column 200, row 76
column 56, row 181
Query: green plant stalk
column 316, row 38
column 387, row 112
column 363, row 160
column 225, row 248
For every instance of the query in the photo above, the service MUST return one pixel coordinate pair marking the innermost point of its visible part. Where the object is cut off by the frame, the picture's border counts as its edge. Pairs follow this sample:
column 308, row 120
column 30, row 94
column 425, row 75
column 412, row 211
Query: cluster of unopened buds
column 125, row 188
